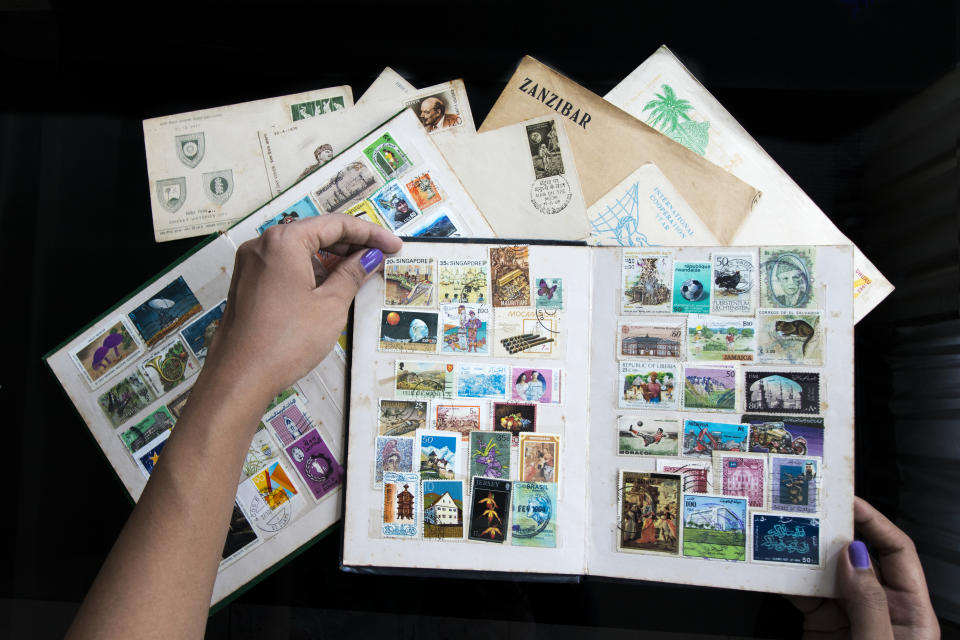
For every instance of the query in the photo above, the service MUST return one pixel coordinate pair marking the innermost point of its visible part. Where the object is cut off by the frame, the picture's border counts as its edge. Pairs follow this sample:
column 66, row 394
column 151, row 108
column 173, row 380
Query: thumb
column 350, row 274
column 863, row 596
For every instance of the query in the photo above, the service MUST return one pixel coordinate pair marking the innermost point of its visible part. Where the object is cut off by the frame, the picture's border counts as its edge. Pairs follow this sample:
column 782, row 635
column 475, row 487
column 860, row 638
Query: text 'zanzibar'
column 555, row 102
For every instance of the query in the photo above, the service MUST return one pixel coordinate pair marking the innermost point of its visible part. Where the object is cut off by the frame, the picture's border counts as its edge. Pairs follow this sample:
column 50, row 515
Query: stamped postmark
column 646, row 435
column 788, row 277
column 465, row 329
column 299, row 210
column 138, row 436
column 164, row 313
column 386, row 155
column 719, row 338
column 697, row 475
column 785, row 435
column 790, row 336
column 355, row 182
column 460, row 417
column 534, row 515
column 394, row 206
column 539, row 457
column 515, row 418
column 510, row 276
column 442, row 509
column 533, row 384
column 289, row 420
column 424, row 191
column 125, row 399
column 464, row 281
column 218, row 185
column 410, row 282
column 104, row 353
column 490, row 454
column 782, row 391
column 691, row 287
column 742, row 474
column 551, row 195
column 438, row 454
column 701, row 438
column 199, row 333
column 401, row 505
column 548, row 293
column 527, row 333
column 482, row 380
column 402, row 417
column 646, row 280
column 714, row 527
column 710, row 388
column 408, row 331
column 786, row 539
column 316, row 464
column 270, row 499
column 172, row 193
column 732, row 289
column 392, row 455
column 420, row 380
column 795, row 483
column 659, row 338
column 648, row 384
column 649, row 512
column 489, row 509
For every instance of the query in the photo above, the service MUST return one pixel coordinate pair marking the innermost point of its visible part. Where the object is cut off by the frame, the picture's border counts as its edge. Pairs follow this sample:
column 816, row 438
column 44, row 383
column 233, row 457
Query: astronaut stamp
column 781, row 539
column 104, row 352
column 489, row 509
column 408, row 331
column 649, row 512
column 442, row 509
column 782, row 391
column 410, row 282
column 691, row 287
column 392, row 454
column 710, row 388
column 732, row 289
column 490, row 454
column 715, row 527
column 421, row 380
column 795, row 483
column 788, row 277
column 648, row 384
column 510, row 276
column 742, row 474
column 402, row 417
column 401, row 505
column 646, row 280
column 534, row 516
column 315, row 464
column 790, row 336
column 697, row 475
column 646, row 435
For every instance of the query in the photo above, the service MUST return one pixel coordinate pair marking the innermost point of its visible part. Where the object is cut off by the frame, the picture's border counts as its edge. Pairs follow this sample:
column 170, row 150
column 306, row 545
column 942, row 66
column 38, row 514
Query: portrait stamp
column 147, row 457
column 649, row 512
column 260, row 454
column 424, row 191
column 168, row 366
column 198, row 334
column 650, row 338
column 288, row 420
column 514, row 417
column 408, row 331
column 464, row 281
column 782, row 391
column 710, row 388
column 394, row 206
column 164, row 313
column 466, row 329
column 527, row 333
column 646, row 278
column 534, row 518
column 489, row 509
column 795, row 483
column 549, row 293
column 315, row 464
column 104, row 352
column 125, row 399
column 785, row 435
column 490, row 454
column 528, row 384
column 460, row 417
column 510, row 276
column 438, row 111
column 714, row 527
column 241, row 537
column 147, row 430
column 701, row 438
column 401, row 417
column 786, row 539
column 742, row 474
column 696, row 475
column 410, row 282
column 691, row 287
column 482, row 380
column 177, row 404
column 643, row 435
column 172, row 193
column 790, row 336
column 297, row 211
column 442, row 509
column 788, row 277
column 732, row 292
column 438, row 454
column 386, row 155
column 540, row 457
column 718, row 338
column 270, row 499
column 401, row 505
column 355, row 182
column 218, row 185
column 648, row 384
column 439, row 226
column 420, row 380
column 392, row 455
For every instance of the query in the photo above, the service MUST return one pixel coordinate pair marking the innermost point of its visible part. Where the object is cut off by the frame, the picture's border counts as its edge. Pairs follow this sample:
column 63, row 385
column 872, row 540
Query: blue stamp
column 297, row 211
column 393, row 455
column 164, row 313
column 702, row 438
column 691, row 287
column 534, row 515
column 794, row 483
column 394, row 205
column 441, row 227
column 482, row 381
column 200, row 332
column 784, row 539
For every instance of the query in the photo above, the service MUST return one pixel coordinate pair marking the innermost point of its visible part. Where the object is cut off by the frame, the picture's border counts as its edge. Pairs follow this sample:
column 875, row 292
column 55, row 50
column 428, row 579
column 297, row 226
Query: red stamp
column 424, row 191
column 742, row 475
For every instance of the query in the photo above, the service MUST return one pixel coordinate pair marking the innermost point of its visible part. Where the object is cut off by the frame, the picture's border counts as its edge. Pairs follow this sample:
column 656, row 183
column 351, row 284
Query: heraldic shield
column 218, row 185
column 172, row 193
column 190, row 148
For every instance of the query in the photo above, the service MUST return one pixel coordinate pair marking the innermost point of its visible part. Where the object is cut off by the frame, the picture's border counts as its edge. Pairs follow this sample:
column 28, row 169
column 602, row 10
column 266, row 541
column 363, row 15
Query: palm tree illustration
column 668, row 113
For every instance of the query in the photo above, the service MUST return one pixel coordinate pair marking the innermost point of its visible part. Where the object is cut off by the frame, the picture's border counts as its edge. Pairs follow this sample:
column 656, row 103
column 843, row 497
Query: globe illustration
column 418, row 330
column 692, row 290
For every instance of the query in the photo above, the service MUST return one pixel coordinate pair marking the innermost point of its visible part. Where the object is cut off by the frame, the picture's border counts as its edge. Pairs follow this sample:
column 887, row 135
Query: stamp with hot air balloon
column 490, row 509
column 102, row 355
column 165, row 312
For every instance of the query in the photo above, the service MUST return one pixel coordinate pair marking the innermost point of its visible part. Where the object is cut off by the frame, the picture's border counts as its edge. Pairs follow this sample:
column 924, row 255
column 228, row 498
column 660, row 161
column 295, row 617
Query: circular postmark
column 269, row 520
column 534, row 516
column 733, row 275
column 551, row 195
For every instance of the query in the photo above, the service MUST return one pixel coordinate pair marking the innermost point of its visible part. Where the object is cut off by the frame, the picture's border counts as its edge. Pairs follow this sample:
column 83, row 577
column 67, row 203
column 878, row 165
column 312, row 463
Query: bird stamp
column 732, row 287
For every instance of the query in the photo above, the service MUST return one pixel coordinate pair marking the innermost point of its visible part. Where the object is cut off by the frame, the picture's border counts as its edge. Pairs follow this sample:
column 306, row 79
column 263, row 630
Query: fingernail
column 371, row 259
column 859, row 556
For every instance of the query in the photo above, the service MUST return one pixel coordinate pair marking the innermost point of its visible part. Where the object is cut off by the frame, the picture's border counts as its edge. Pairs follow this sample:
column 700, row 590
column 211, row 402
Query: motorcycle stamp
column 654, row 338
column 510, row 276
column 648, row 384
column 718, row 338
column 442, row 509
column 645, row 280
column 788, row 277
column 438, row 454
column 785, row 435
column 534, row 517
column 742, row 474
column 795, row 483
column 691, row 287
column 539, row 457
column 782, row 391
column 489, row 509
column 643, row 435
column 715, row 527
column 710, row 388
column 490, row 454
column 702, row 438
column 401, row 417
column 790, row 336
column 401, row 505
column 732, row 290
column 420, row 380
column 697, row 475
column 408, row 331
column 315, row 464
column 410, row 282
column 392, row 455
column 649, row 512
column 104, row 352
column 464, row 281
column 786, row 539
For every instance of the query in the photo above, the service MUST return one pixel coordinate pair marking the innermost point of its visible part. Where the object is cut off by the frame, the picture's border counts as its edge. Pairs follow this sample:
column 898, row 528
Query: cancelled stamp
column 795, row 483
column 401, row 505
column 742, row 474
column 732, row 288
column 534, row 517
column 788, row 277
column 649, row 512
column 715, row 527
column 770, row 391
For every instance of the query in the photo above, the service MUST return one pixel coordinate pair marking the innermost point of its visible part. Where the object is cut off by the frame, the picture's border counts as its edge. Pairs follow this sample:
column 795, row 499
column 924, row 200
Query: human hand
column 893, row 604
column 278, row 324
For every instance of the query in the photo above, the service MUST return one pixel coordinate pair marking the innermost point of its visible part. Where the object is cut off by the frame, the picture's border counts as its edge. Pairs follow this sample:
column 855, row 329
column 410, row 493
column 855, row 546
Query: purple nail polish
column 371, row 259
column 859, row 556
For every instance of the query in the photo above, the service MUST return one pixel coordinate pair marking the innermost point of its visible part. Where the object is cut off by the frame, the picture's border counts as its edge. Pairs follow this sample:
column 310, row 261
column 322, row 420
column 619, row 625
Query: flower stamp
column 490, row 509
column 490, row 454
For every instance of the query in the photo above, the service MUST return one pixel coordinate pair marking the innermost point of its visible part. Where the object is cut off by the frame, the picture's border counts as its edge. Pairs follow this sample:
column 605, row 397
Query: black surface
column 76, row 236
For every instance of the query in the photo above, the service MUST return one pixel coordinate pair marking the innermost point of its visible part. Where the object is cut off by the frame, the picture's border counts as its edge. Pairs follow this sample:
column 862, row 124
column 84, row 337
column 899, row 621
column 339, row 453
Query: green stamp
column 714, row 527
column 387, row 156
column 691, row 287
column 668, row 113
column 311, row 108
column 788, row 277
column 534, row 517
column 549, row 293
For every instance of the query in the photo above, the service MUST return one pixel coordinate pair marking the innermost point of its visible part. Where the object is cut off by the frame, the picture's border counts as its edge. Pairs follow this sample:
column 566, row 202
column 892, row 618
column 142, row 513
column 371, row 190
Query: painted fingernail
column 859, row 556
column 371, row 259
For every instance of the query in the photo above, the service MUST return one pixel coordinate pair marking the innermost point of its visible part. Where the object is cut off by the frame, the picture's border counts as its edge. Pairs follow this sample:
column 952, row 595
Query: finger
column 899, row 562
column 349, row 275
column 320, row 232
column 820, row 615
column 863, row 597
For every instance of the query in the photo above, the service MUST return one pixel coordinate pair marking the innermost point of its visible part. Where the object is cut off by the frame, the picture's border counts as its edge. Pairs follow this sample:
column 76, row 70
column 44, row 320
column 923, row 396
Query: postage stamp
column 534, row 518
column 710, row 388
column 355, row 182
column 540, row 457
column 464, row 281
column 732, row 291
column 393, row 454
column 529, row 384
column 438, row 454
column 316, row 464
column 702, row 438
column 270, row 500
column 786, row 539
column 410, row 282
column 527, row 333
column 104, row 352
column 311, row 108
column 648, row 435
column 648, row 384
column 515, row 418
column 697, row 475
column 649, row 512
column 785, row 435
column 364, row 210
column 544, row 149
column 420, row 380
column 646, row 280
column 440, row 226
column 199, row 333
column 782, row 391
column 482, row 380
column 650, row 338
column 691, row 287
column 277, row 401
column 164, row 313
column 714, row 527
column 790, row 336
column 394, row 206
column 466, row 329
column 147, row 457
column 125, row 399
column 549, row 294
column 742, row 474
column 177, row 404
column 442, row 509
column 262, row 452
column 437, row 111
column 510, row 276
column 424, row 191
column 490, row 509
column 490, row 454
column 147, row 430
column 168, row 366
column 788, row 277
column 794, row 483
column 408, row 331
column 400, row 417
column 299, row 210
column 289, row 420
column 401, row 505
column 240, row 536
column 386, row 155
column 713, row 338
column 462, row 418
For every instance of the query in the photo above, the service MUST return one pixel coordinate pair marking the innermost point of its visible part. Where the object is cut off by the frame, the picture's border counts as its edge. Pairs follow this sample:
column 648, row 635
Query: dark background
column 805, row 79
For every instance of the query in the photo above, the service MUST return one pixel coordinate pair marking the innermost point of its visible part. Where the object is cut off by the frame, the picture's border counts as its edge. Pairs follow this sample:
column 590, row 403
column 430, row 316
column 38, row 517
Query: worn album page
column 386, row 85
column 721, row 416
column 205, row 167
column 663, row 93
column 468, row 411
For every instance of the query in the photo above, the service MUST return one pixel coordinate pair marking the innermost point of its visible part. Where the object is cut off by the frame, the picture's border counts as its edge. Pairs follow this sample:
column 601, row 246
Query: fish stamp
column 646, row 280
column 742, row 474
column 534, row 517
column 401, row 505
column 785, row 435
column 316, row 464
column 490, row 454
column 648, row 384
column 788, row 277
column 394, row 206
column 490, row 509
column 527, row 333
column 717, row 338
column 790, row 336
column 650, row 338
column 125, row 399
column 648, row 436
column 438, row 455
column 535, row 385
column 420, row 380
column 710, row 388
column 424, row 191
column 482, row 380
column 514, row 417
column 701, row 438
column 539, row 457
column 401, row 417
column 392, row 455
column 386, row 155
column 549, row 293
column 442, row 509
column 408, row 331
column 786, row 539
column 691, row 287
column 164, row 313
column 461, row 418
column 355, row 182
column 794, row 483
column 104, row 352
column 697, row 474
column 649, row 512
column 782, row 391
column 714, row 527
column 510, row 276
column 464, row 281
column 147, row 430
column 199, row 333
column 410, row 282
column 732, row 290
column 466, row 329
column 168, row 366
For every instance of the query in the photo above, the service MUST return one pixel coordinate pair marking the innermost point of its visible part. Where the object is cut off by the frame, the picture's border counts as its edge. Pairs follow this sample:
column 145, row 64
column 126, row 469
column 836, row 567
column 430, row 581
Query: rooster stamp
column 732, row 287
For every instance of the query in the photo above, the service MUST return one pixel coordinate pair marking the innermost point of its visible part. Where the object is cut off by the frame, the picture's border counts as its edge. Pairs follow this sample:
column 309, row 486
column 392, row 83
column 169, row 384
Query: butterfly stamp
column 549, row 293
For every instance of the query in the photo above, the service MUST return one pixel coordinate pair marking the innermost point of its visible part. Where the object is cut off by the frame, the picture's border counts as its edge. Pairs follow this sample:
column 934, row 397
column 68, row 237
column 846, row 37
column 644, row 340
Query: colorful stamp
column 790, row 336
column 785, row 435
column 466, row 329
column 199, row 333
column 410, row 282
column 240, row 536
column 401, row 505
column 315, row 464
column 394, row 206
column 710, row 388
column 794, row 483
column 732, row 291
column 782, row 391
column 515, row 418
column 177, row 404
column 147, row 457
column 270, row 500
column 261, row 452
column 168, row 366
column 164, row 313
column 649, row 512
column 534, row 517
column 353, row 183
column 408, row 331
column 299, row 210
column 527, row 333
column 646, row 280
column 490, row 454
column 438, row 111
column 104, row 352
column 510, row 276
column 386, row 155
column 539, row 457
column 549, row 293
column 650, row 338
column 464, row 281
column 782, row 539
column 535, row 385
column 742, row 474
column 788, row 277
column 393, row 454
column 490, row 509
column 277, row 400
column 364, row 210
column 648, row 384
column 648, row 436
column 717, row 338
column 714, row 527
column 125, row 399
column 438, row 454
column 702, row 438
column 147, row 430
column 691, row 287
column 420, row 380
column 697, row 475
column 440, row 226
column 461, row 418
column 423, row 191
column 442, row 509
column 482, row 380
column 400, row 417
column 288, row 420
